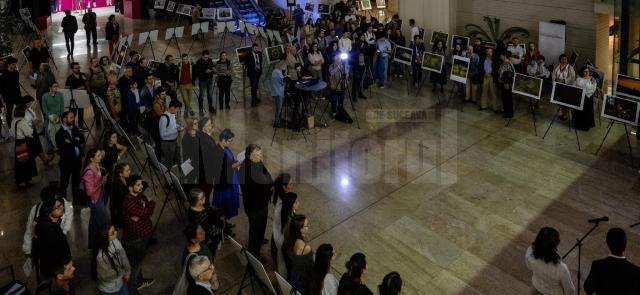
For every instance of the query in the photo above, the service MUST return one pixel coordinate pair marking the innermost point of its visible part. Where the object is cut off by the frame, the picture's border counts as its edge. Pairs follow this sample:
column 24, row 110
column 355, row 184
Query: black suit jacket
column 252, row 71
column 194, row 289
column 613, row 276
column 67, row 144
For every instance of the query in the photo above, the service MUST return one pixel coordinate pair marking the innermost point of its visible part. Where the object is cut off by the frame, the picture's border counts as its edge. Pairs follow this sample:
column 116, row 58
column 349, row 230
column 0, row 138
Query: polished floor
column 450, row 200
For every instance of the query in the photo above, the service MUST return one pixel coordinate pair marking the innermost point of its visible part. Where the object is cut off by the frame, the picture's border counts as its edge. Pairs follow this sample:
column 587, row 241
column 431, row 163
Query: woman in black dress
column 113, row 151
column 439, row 78
column 351, row 281
column 119, row 192
column 300, row 253
column 285, row 203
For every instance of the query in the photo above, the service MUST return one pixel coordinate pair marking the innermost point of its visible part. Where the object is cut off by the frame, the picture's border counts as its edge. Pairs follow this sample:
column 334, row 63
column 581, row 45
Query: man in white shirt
column 414, row 29
column 344, row 45
column 350, row 17
column 517, row 54
column 169, row 128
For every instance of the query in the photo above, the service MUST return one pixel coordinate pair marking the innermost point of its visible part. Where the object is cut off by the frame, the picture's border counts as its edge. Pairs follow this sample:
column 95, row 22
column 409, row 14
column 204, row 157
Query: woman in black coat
column 256, row 184
column 439, row 78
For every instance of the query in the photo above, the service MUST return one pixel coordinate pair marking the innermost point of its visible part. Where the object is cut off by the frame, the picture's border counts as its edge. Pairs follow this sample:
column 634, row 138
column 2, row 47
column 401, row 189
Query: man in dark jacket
column 90, row 26
column 124, row 84
column 51, row 248
column 168, row 74
column 39, row 54
column 204, row 73
column 254, row 70
column 10, row 90
column 256, row 183
column 69, row 28
column 70, row 142
column 614, row 274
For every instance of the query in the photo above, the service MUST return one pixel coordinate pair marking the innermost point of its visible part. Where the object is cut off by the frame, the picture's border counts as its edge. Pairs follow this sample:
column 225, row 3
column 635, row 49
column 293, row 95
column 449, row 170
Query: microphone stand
column 635, row 224
column 578, row 245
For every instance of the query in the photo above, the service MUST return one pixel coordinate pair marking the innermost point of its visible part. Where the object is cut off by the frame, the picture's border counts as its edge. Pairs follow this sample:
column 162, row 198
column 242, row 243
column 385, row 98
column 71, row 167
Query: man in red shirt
column 185, row 80
column 138, row 228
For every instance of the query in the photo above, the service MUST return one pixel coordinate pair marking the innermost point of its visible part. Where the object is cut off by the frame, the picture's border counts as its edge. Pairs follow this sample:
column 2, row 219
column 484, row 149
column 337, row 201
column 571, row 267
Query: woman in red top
column 532, row 54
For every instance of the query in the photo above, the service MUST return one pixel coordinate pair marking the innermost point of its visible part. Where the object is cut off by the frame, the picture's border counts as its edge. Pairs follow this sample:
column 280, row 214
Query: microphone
column 598, row 220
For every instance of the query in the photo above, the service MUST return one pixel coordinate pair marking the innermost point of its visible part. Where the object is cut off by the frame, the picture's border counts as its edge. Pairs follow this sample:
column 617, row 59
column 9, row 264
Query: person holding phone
column 169, row 130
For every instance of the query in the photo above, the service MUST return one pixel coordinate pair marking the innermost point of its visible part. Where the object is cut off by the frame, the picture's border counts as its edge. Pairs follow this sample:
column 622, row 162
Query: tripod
column 148, row 42
column 223, row 39
column 578, row 245
column 73, row 105
column 172, row 38
column 344, row 83
column 178, row 212
column 199, row 33
column 570, row 122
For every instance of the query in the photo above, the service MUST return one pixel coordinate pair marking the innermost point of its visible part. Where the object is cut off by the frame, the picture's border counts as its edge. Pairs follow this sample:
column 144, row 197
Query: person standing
column 169, row 130
column 506, row 74
column 119, row 192
column 90, row 26
column 517, row 55
column 300, row 253
column 186, row 81
column 69, row 28
column 203, row 275
column 550, row 274
column 564, row 73
column 39, row 54
column 256, row 184
column 210, row 218
column 583, row 120
column 112, row 32
column 135, row 106
column 52, row 105
column 475, row 76
column 137, row 210
column 124, row 85
column 337, row 85
column 352, row 281
column 277, row 90
column 168, row 74
column 488, row 68
column 614, row 274
column 417, row 51
column 226, row 193
column 98, row 86
column 10, row 90
column 254, row 70
column 25, row 156
column 204, row 70
column 94, row 179
column 70, row 141
column 298, row 19
column 50, row 247
column 384, row 51
column 323, row 281
column 77, row 81
column 436, row 79
column 223, row 69
column 113, row 266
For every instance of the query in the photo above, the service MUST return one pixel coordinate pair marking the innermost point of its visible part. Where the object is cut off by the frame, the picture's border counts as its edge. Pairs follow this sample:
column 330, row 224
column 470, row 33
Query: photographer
column 278, row 80
column 336, row 84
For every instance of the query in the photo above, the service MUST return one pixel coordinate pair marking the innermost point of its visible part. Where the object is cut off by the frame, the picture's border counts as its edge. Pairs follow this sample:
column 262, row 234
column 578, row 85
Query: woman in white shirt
column 316, row 60
column 564, row 73
column 25, row 155
column 323, row 282
column 583, row 120
column 112, row 264
column 551, row 276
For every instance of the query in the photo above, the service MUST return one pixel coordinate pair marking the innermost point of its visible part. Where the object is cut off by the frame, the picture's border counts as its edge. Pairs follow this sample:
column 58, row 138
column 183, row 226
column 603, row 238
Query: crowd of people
column 347, row 50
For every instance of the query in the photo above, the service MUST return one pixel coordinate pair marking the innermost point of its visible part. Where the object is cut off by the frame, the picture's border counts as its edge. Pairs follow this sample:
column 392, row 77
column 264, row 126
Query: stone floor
column 451, row 201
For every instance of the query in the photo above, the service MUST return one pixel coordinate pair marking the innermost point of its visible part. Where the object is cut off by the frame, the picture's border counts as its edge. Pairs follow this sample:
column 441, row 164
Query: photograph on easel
column 171, row 6
column 159, row 4
column 208, row 13
column 568, row 96
column 402, row 55
column 275, row 53
column 432, row 62
column 381, row 4
column 459, row 69
column 460, row 40
column 621, row 109
column 243, row 54
column 527, row 86
column 324, row 8
column 444, row 37
column 225, row 14
column 365, row 5
column 628, row 87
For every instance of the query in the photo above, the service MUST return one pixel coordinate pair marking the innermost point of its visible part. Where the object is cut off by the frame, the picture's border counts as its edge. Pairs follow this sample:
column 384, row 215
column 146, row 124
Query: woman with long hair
column 195, row 235
column 550, row 275
column 351, row 282
column 300, row 254
column 210, row 219
column 113, row 151
column 285, row 203
column 112, row 263
column 119, row 192
column 322, row 281
column 25, row 159
column 94, row 179
column 316, row 61
column 391, row 284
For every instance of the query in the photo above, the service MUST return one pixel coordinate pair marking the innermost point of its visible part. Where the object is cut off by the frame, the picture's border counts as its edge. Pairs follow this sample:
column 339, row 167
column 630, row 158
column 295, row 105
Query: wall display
column 381, row 4
column 402, row 54
column 365, row 5
column 460, row 40
column 568, row 96
column 185, row 9
column 596, row 74
column 527, row 85
column 439, row 36
column 324, row 8
column 432, row 62
column 275, row 53
column 171, row 6
column 225, row 14
column 627, row 86
column 459, row 69
column 159, row 4
column 621, row 109
column 243, row 53
column 308, row 7
column 208, row 13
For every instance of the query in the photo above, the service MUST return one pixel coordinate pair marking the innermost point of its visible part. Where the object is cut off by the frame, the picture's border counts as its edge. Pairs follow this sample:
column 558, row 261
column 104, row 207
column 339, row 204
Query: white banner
column 551, row 41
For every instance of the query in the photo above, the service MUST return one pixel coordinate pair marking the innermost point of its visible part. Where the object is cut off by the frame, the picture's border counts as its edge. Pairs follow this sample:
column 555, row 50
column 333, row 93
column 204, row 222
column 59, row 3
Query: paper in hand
column 241, row 157
column 186, row 167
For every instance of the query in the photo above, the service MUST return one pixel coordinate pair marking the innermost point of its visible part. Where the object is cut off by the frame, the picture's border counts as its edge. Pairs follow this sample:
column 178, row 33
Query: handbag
column 22, row 149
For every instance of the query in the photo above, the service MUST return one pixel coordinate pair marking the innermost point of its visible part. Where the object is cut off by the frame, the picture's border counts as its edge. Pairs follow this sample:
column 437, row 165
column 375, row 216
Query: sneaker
column 145, row 283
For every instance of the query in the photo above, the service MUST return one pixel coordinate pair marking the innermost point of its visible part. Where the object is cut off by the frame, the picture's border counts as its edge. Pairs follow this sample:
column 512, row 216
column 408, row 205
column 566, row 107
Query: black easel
column 570, row 123
column 250, row 274
column 148, row 42
column 223, row 38
column 173, row 38
column 532, row 109
column 178, row 212
column 626, row 131
column 198, row 34
column 73, row 106
column 578, row 245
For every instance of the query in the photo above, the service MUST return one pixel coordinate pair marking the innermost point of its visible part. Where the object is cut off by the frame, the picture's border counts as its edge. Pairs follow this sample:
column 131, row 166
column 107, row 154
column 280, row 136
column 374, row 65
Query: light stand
column 578, row 245
column 626, row 131
column 285, row 111
column 344, row 80
column 570, row 122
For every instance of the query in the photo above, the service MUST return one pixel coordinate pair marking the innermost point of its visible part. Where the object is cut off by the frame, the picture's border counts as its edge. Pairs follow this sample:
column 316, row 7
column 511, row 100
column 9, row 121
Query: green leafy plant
column 493, row 33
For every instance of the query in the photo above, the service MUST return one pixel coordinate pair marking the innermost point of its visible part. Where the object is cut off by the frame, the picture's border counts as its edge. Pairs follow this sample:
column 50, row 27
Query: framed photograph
column 291, row 3
column 432, row 62
column 460, row 40
column 225, row 14
column 275, row 54
column 243, row 54
column 182, row 9
column 381, row 4
column 159, row 4
column 439, row 36
column 596, row 74
column 459, row 69
column 208, row 13
column 171, row 6
column 402, row 55
column 308, row 7
column 627, row 86
column 365, row 5
column 621, row 109
column 121, row 56
column 568, row 96
column 527, row 86
column 324, row 8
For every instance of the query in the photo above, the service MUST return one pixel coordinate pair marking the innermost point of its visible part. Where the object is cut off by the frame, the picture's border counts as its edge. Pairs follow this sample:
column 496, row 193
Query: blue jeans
column 278, row 108
column 100, row 218
column 381, row 70
column 206, row 85
column 122, row 291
